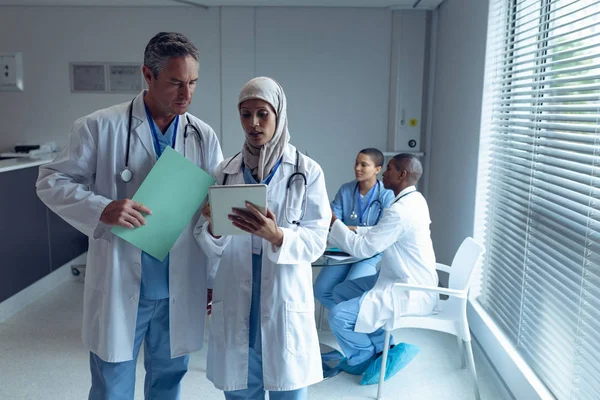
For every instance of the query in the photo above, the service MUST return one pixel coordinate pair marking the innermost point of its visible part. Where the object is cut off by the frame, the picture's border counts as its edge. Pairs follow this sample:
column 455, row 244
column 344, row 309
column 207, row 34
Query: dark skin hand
column 334, row 218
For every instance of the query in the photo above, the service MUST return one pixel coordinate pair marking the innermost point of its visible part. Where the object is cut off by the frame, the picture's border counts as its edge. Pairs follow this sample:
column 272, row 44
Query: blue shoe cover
column 332, row 356
column 358, row 369
column 330, row 372
column 398, row 357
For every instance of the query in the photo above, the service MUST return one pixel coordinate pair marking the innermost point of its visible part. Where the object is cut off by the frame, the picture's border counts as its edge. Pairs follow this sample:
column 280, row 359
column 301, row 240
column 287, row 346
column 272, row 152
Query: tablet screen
column 224, row 198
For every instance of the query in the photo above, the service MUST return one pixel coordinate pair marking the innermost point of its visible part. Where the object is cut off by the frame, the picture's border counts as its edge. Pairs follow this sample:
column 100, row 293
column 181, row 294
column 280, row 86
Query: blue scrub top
column 155, row 273
column 347, row 199
column 255, row 337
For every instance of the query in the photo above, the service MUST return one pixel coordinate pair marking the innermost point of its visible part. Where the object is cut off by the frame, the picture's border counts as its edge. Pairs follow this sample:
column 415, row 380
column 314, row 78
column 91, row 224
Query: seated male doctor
column 365, row 304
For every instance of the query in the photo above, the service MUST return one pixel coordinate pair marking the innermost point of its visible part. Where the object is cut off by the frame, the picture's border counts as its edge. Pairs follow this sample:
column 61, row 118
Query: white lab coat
column 79, row 184
column 403, row 236
column 290, row 346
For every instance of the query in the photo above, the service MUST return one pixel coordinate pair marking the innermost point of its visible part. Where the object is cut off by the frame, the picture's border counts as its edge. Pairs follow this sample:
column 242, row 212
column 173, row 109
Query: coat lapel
column 141, row 126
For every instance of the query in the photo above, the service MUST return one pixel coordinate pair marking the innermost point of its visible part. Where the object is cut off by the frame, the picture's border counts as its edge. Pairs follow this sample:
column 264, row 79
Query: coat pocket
column 299, row 320
column 217, row 325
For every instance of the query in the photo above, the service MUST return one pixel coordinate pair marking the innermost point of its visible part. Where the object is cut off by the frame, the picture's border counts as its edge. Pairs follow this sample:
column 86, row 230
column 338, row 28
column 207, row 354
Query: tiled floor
column 42, row 357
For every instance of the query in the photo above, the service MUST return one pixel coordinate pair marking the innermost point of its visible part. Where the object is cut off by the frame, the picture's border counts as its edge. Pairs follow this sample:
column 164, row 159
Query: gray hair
column 411, row 164
column 165, row 45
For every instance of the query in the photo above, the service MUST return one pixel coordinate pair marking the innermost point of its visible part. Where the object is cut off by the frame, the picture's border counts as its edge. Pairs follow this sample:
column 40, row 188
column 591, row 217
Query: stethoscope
column 126, row 174
column 296, row 176
column 404, row 195
column 370, row 204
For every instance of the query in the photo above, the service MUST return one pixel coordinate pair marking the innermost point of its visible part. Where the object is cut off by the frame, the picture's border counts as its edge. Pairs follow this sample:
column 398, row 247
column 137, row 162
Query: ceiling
column 401, row 4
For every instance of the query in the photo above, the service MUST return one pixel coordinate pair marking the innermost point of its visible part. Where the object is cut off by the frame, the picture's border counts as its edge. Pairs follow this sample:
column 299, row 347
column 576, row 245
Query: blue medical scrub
column 353, row 210
column 358, row 347
column 255, row 390
column 111, row 381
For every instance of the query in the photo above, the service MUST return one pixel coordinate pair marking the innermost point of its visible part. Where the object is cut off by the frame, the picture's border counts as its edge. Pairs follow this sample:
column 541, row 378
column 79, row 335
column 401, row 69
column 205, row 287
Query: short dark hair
column 411, row 164
column 375, row 155
column 165, row 45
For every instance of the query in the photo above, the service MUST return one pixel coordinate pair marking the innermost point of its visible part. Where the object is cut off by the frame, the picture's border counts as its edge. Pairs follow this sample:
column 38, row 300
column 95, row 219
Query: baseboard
column 22, row 299
column 513, row 370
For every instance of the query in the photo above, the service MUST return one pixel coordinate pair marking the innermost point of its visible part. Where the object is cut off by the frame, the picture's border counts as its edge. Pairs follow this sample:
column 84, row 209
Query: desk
column 330, row 363
column 11, row 164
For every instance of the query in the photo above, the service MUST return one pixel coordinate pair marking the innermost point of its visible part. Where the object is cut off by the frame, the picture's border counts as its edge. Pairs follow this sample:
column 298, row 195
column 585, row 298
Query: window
column 539, row 185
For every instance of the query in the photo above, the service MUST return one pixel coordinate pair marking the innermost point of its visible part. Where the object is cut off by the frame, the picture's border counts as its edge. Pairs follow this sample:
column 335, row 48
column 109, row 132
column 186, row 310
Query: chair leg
column 461, row 352
column 320, row 322
column 386, row 346
column 472, row 369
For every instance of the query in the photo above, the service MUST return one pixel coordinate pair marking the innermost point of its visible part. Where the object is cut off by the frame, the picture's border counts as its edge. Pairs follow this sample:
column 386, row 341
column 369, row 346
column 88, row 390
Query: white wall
column 50, row 38
column 456, row 113
column 334, row 65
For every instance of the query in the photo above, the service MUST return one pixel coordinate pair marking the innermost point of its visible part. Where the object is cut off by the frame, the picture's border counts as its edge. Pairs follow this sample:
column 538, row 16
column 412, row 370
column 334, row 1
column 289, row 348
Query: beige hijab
column 261, row 160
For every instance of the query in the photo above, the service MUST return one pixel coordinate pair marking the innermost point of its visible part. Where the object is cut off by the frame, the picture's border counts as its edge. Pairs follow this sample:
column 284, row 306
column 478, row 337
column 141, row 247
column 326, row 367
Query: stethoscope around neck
column 377, row 200
column 127, row 174
column 296, row 175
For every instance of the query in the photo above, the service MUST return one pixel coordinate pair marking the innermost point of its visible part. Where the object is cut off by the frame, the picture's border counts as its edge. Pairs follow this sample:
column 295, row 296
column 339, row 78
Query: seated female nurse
column 357, row 203
column 263, row 335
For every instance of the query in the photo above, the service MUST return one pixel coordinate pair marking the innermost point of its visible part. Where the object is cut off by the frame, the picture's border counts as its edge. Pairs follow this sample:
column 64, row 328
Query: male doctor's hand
column 251, row 220
column 206, row 214
column 126, row 213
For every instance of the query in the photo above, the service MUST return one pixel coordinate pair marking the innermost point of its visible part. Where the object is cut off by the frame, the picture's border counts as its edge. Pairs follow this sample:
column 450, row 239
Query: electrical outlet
column 11, row 72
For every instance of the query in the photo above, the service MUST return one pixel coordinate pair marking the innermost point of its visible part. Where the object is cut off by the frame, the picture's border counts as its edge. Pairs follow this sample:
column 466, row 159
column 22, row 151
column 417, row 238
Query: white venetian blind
column 539, row 185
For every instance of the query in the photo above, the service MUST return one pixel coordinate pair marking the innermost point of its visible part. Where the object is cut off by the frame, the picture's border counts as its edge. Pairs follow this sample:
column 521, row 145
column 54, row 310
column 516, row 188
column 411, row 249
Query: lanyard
column 248, row 178
column 267, row 180
column 155, row 135
column 360, row 210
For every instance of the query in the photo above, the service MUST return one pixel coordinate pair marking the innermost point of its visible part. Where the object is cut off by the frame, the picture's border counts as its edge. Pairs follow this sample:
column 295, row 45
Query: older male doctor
column 402, row 234
column 130, row 296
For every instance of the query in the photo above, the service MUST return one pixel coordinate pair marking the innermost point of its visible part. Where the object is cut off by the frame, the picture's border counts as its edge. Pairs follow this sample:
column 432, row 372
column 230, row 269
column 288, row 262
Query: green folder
column 173, row 190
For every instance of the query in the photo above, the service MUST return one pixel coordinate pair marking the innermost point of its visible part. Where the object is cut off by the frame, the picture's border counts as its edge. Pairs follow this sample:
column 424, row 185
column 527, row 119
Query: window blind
column 538, row 190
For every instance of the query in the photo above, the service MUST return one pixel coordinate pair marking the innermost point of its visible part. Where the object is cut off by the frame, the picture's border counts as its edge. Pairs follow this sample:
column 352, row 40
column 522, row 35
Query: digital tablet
column 223, row 198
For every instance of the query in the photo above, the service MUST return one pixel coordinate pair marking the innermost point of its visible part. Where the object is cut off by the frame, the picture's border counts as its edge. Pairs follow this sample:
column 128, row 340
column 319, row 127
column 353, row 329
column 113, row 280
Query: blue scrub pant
column 332, row 276
column 116, row 381
column 256, row 391
column 357, row 347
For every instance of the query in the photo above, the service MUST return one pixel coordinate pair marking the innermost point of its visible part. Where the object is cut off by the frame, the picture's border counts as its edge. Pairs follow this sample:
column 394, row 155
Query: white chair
column 452, row 317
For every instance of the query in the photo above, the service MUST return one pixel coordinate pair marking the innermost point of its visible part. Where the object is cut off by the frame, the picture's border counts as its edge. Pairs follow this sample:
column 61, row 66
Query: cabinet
column 33, row 240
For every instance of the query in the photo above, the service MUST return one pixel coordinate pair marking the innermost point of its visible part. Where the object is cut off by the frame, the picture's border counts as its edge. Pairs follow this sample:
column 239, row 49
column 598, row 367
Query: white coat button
column 137, row 265
column 133, row 299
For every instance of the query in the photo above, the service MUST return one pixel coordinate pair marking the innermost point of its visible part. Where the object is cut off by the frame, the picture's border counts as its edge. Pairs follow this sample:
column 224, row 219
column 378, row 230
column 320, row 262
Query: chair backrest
column 463, row 263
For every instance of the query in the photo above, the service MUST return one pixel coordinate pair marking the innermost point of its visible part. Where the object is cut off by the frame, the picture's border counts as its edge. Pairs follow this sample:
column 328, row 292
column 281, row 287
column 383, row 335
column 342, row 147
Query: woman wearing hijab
column 263, row 334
